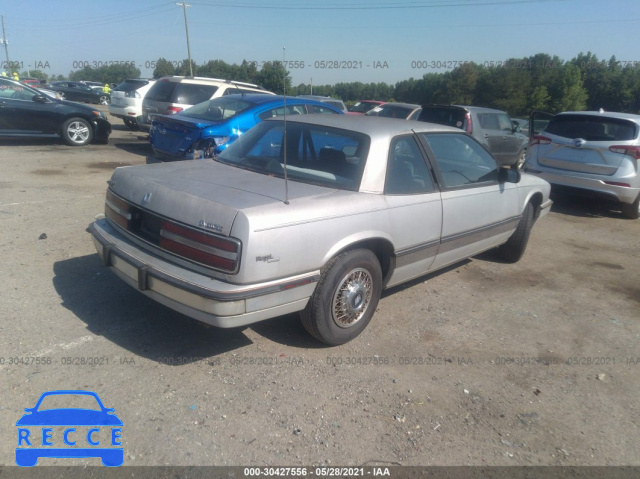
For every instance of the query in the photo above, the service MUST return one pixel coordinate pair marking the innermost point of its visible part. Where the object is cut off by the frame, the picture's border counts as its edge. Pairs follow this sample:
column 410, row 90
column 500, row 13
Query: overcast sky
column 332, row 41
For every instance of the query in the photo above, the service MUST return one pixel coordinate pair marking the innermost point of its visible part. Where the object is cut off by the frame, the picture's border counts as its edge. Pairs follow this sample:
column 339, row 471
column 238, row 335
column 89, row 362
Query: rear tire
column 631, row 211
column 514, row 248
column 345, row 298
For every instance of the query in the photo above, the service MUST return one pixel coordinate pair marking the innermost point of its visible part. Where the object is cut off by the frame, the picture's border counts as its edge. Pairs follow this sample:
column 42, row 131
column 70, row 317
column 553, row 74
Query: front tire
column 77, row 132
column 631, row 211
column 103, row 100
column 345, row 298
column 514, row 248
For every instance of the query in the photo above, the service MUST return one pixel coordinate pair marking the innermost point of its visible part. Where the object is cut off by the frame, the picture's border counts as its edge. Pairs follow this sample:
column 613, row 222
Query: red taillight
column 539, row 140
column 117, row 210
column 467, row 117
column 626, row 150
column 615, row 183
column 214, row 251
column 172, row 110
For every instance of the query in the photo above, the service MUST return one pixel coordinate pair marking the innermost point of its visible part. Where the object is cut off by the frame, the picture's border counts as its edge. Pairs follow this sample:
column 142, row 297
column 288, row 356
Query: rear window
column 444, row 116
column 192, row 93
column 131, row 85
column 182, row 93
column 161, row 91
column 218, row 109
column 592, row 128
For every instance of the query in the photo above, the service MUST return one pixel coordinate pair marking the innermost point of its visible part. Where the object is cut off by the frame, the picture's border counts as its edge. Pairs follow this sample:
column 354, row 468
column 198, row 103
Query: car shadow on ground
column 135, row 146
column 583, row 206
column 112, row 309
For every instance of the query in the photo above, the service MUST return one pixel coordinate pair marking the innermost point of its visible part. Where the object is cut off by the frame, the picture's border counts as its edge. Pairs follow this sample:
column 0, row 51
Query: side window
column 231, row 91
column 15, row 92
column 461, row 160
column 407, row 172
column 505, row 123
column 488, row 121
column 276, row 112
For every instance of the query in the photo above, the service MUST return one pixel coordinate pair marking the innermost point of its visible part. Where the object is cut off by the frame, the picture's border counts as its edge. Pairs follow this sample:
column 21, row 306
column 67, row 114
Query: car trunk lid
column 174, row 136
column 202, row 194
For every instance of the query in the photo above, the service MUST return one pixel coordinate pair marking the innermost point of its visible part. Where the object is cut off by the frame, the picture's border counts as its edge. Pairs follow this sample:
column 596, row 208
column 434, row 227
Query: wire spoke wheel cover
column 345, row 298
column 352, row 298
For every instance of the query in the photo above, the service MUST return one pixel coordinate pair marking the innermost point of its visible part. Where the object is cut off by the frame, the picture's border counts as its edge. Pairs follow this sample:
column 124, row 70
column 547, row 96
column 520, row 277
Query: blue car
column 102, row 428
column 214, row 124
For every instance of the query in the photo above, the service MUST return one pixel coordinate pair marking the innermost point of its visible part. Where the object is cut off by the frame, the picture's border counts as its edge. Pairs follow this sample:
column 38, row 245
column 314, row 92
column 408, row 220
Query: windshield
column 218, row 109
column 316, row 154
column 363, row 107
column 390, row 111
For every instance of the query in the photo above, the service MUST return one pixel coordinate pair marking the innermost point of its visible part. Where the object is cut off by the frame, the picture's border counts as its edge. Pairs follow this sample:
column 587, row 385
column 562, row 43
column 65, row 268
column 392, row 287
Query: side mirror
column 509, row 175
column 40, row 98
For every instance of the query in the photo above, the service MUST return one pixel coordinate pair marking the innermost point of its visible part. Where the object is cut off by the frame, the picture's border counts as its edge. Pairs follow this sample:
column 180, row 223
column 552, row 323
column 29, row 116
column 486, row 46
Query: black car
column 79, row 91
column 27, row 113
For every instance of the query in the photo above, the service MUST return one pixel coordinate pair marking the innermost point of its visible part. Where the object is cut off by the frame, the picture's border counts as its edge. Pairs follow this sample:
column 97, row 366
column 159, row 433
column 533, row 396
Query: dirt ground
column 486, row 363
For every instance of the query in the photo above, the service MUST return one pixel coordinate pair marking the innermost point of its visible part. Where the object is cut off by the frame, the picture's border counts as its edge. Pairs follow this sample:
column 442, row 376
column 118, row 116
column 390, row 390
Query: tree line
column 517, row 85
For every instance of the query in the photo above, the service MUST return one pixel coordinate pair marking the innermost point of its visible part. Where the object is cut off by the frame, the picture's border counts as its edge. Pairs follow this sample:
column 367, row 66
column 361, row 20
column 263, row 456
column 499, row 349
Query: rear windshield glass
column 181, row 93
column 161, row 91
column 218, row 109
column 131, row 85
column 315, row 154
column 192, row 94
column 592, row 128
column 444, row 116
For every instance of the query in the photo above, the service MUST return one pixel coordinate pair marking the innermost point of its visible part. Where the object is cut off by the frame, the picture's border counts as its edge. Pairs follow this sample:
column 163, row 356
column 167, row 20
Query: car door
column 20, row 114
column 414, row 209
column 478, row 211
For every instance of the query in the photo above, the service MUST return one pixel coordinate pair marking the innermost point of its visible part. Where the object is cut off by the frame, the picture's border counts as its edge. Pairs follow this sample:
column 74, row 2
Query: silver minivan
column 173, row 94
column 592, row 152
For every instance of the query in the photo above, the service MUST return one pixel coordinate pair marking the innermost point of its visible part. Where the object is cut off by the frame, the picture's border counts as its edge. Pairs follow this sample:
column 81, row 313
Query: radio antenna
column 284, row 135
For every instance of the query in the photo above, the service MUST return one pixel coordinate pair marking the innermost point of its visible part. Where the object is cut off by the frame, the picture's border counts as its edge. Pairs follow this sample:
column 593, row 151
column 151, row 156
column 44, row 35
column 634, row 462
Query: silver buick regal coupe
column 316, row 214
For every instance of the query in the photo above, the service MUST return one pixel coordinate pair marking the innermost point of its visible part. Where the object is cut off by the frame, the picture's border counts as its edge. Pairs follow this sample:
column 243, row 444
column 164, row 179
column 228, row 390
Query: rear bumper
column 591, row 186
column 201, row 297
column 126, row 112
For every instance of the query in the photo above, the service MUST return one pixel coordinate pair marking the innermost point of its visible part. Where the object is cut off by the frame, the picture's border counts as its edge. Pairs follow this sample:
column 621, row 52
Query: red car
column 363, row 106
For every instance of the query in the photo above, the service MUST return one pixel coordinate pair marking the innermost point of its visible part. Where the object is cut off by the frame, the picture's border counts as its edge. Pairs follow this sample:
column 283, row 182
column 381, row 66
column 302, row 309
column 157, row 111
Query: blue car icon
column 98, row 420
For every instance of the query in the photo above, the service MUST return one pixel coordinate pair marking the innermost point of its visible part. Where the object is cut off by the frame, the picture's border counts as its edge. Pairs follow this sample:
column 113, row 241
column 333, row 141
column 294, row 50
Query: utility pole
column 6, row 48
column 184, row 6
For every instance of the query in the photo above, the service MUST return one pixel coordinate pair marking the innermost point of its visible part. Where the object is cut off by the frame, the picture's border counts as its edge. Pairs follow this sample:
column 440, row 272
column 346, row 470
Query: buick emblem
column 578, row 143
column 146, row 198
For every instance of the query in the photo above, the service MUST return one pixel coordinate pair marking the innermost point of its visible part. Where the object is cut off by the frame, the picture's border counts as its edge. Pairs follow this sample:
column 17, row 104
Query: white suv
column 126, row 100
column 173, row 94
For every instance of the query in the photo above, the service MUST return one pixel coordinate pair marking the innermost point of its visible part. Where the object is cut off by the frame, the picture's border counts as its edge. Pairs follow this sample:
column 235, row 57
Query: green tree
column 273, row 76
column 574, row 96
column 163, row 68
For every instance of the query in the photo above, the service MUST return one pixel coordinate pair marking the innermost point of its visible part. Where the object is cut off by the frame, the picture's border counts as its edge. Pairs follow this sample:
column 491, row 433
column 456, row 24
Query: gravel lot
column 485, row 363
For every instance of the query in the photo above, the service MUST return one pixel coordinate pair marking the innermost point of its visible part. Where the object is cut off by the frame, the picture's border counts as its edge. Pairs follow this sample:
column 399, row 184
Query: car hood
column 204, row 192
column 69, row 417
column 173, row 135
